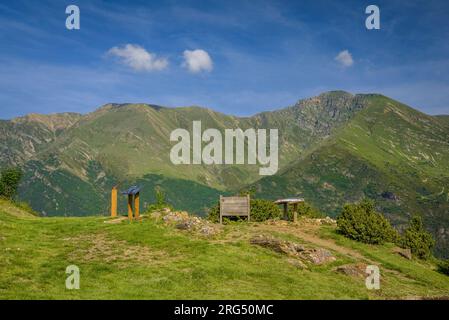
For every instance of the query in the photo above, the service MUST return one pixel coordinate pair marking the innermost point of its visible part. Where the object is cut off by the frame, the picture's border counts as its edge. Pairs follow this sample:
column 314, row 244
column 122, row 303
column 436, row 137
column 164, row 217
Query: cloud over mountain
column 344, row 58
column 137, row 58
column 197, row 60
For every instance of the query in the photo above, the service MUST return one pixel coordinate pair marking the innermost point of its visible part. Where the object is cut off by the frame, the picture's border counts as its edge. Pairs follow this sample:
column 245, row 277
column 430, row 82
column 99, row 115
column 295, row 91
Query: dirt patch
column 312, row 226
column 100, row 248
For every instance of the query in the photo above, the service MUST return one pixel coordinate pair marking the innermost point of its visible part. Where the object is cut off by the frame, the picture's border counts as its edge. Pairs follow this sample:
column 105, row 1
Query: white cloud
column 345, row 58
column 138, row 58
column 197, row 60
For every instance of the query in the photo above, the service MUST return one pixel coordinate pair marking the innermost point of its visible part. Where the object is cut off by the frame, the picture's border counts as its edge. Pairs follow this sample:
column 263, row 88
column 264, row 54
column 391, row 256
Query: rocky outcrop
column 314, row 256
column 353, row 270
column 183, row 221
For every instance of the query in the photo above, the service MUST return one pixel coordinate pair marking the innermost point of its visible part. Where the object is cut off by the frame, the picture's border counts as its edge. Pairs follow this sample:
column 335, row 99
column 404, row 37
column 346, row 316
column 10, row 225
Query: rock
column 183, row 226
column 353, row 270
column 406, row 253
column 297, row 263
column 208, row 231
column 183, row 221
column 328, row 221
column 281, row 246
column 317, row 256
column 156, row 215
column 174, row 217
column 166, row 210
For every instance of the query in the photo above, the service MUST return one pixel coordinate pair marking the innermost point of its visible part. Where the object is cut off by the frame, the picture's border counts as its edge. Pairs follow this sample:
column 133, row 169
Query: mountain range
column 333, row 148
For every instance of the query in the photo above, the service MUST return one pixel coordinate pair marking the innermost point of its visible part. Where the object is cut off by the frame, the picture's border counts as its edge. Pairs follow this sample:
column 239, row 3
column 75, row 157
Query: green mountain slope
column 152, row 260
column 443, row 118
column 388, row 152
column 22, row 138
column 73, row 174
column 333, row 148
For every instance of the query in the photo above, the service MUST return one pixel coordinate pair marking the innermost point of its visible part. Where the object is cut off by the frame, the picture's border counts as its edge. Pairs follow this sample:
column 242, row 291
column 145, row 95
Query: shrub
column 361, row 222
column 306, row 210
column 213, row 214
column 161, row 203
column 261, row 210
column 417, row 239
column 443, row 267
column 9, row 182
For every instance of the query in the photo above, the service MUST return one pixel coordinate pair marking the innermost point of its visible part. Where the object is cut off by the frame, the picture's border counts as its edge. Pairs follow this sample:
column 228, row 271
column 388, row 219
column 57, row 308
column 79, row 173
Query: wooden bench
column 234, row 207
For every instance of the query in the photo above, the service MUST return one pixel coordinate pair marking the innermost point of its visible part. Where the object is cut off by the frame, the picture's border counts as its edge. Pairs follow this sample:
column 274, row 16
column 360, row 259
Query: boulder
column 317, row 256
column 353, row 270
column 183, row 221
column 297, row 263
column 183, row 226
column 281, row 246
column 328, row 221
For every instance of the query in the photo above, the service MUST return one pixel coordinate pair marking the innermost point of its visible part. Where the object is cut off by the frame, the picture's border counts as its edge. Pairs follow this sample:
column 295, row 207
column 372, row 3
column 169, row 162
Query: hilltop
column 154, row 259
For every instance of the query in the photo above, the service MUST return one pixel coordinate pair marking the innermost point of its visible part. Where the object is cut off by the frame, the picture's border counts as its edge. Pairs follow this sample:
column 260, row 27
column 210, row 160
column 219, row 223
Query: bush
column 261, row 210
column 306, row 210
column 9, row 182
column 443, row 267
column 417, row 239
column 362, row 223
column 161, row 203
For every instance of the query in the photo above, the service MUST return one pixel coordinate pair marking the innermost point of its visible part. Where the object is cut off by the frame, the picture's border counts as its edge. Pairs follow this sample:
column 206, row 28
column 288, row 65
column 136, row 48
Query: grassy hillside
column 150, row 260
column 387, row 152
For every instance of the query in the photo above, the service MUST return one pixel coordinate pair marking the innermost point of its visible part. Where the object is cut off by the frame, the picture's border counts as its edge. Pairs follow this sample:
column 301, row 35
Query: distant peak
column 336, row 93
column 54, row 121
column 110, row 106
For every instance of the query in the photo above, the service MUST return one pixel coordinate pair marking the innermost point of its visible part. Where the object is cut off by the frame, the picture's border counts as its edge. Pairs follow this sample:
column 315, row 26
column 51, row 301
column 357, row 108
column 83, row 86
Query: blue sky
column 250, row 56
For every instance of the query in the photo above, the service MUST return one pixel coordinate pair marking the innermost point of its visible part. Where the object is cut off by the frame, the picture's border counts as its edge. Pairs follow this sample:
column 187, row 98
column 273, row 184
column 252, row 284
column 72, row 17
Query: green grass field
column 149, row 260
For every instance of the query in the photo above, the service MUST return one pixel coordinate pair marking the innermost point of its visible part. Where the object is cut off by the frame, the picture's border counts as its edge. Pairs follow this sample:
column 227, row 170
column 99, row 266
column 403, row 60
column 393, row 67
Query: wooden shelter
column 292, row 201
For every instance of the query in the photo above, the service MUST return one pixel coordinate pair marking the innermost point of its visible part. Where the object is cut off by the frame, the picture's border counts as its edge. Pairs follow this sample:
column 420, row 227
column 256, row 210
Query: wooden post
column 137, row 205
column 249, row 207
column 221, row 201
column 114, row 202
column 295, row 212
column 130, row 207
column 285, row 211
